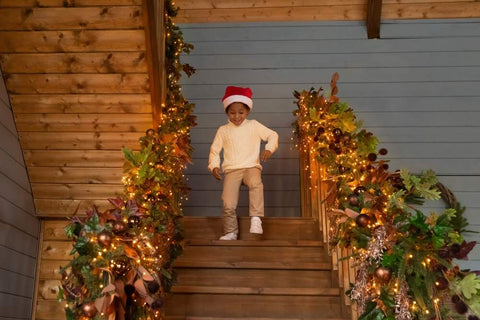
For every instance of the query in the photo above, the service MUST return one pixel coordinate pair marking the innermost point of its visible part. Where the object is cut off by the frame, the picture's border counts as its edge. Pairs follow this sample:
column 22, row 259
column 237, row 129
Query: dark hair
column 246, row 107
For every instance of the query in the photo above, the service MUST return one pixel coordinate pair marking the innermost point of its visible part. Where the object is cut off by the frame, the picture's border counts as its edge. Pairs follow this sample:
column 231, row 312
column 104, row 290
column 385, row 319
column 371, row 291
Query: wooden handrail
column 314, row 192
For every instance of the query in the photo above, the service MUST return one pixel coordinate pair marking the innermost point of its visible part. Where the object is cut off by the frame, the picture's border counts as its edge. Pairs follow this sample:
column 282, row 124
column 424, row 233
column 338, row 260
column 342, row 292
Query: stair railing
column 313, row 193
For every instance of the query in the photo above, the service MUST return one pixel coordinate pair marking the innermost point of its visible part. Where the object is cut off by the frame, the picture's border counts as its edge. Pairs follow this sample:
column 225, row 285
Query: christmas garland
column 122, row 258
column 404, row 258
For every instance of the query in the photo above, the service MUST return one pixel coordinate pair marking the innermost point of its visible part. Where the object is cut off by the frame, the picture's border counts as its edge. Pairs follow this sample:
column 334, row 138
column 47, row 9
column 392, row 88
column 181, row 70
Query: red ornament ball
column 150, row 132
column 105, row 238
column 383, row 274
column 362, row 220
column 88, row 309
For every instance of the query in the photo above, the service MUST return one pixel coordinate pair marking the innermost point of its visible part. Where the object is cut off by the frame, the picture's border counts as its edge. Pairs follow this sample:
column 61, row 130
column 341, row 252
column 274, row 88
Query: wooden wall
column 200, row 11
column 77, row 78
column 19, row 228
column 79, row 87
column 417, row 89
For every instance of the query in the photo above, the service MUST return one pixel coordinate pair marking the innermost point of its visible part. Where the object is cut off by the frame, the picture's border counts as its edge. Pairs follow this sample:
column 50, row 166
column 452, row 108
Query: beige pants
column 231, row 189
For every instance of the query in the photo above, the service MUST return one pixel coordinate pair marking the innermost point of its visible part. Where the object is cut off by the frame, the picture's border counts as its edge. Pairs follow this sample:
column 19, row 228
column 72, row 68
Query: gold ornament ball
column 383, row 274
column 88, row 309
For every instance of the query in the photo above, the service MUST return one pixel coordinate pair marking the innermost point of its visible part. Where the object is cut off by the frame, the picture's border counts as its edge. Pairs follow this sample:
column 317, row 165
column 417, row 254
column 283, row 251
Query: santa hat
column 237, row 94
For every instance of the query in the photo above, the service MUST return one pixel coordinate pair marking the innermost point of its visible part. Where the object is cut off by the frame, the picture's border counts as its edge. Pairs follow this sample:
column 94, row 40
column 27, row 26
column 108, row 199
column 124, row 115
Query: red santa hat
column 237, row 94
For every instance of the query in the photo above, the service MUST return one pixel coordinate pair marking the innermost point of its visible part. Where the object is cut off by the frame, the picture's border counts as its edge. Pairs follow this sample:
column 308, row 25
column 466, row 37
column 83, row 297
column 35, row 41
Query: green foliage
column 415, row 248
column 132, row 246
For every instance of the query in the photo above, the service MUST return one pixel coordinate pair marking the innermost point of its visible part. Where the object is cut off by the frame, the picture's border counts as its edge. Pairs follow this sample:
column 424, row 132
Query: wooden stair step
column 256, row 278
column 274, row 228
column 258, row 257
column 256, row 243
column 243, row 318
column 257, row 290
column 254, row 306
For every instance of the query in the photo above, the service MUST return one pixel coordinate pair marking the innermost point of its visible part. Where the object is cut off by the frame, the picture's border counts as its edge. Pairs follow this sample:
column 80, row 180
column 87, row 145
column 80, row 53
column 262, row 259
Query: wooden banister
column 154, row 15
column 314, row 192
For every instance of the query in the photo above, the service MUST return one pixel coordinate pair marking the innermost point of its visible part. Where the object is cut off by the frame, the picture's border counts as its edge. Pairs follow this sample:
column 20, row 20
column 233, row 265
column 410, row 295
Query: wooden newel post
column 154, row 15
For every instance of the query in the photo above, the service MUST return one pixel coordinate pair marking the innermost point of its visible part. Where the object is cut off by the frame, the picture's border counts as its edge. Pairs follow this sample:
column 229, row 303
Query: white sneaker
column 256, row 225
column 229, row 236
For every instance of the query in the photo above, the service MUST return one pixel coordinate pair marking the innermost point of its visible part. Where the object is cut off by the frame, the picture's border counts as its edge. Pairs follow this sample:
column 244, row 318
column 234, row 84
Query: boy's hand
column 216, row 173
column 266, row 154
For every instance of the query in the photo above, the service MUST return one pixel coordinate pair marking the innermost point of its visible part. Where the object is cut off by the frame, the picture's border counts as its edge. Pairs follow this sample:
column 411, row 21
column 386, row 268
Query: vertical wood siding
column 19, row 228
column 417, row 88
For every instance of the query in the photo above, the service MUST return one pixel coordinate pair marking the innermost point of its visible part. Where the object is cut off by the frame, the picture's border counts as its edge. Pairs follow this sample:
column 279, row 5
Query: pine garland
column 404, row 258
column 122, row 264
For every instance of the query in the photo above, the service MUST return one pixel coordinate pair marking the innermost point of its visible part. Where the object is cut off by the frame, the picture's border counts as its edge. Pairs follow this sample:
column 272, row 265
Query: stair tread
column 257, row 290
column 256, row 243
column 244, row 318
column 253, row 264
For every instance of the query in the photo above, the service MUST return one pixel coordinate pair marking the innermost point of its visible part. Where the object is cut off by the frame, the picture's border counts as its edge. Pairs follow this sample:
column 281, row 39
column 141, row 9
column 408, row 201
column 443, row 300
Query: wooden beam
column 155, row 44
column 374, row 13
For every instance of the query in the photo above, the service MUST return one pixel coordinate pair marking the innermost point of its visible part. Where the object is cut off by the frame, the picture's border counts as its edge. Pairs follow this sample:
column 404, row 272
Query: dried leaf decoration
column 404, row 257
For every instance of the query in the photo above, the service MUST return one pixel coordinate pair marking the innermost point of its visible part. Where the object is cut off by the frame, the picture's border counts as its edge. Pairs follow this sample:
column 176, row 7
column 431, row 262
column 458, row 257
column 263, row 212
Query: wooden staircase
column 283, row 274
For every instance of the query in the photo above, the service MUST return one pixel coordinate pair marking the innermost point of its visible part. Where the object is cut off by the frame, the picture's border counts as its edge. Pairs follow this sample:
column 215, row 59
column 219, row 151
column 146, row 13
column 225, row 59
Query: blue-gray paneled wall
column 417, row 88
column 19, row 228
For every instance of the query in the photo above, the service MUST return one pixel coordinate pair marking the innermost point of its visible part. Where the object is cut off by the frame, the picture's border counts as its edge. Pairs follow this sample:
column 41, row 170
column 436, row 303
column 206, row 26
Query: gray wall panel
column 417, row 88
column 19, row 228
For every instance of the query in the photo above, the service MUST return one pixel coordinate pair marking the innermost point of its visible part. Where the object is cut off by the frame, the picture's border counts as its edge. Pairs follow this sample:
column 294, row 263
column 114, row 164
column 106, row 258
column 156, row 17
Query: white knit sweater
column 241, row 145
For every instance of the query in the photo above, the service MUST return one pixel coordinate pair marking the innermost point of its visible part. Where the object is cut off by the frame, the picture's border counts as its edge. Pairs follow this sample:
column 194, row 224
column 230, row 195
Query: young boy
column 240, row 140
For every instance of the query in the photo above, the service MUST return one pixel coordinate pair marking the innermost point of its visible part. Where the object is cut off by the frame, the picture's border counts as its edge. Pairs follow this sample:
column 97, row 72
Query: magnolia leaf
column 469, row 285
column 110, row 287
column 140, row 287
column 351, row 213
column 102, row 303
column 145, row 274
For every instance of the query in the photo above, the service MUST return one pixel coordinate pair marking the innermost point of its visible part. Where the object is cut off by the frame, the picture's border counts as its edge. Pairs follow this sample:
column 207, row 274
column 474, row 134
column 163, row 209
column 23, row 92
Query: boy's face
column 237, row 113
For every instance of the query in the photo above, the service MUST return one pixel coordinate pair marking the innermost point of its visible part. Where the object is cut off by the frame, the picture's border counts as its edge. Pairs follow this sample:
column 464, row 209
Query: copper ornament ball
column 119, row 227
column 383, row 274
column 362, row 220
column 88, row 309
column 105, row 238
column 353, row 200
